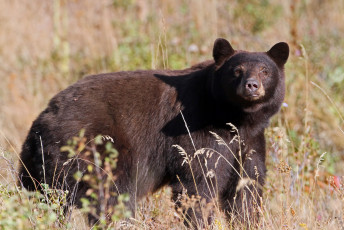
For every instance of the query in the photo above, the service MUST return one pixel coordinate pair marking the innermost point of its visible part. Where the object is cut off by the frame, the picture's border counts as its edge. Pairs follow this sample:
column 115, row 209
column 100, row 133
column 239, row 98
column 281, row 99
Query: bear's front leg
column 243, row 203
column 193, row 206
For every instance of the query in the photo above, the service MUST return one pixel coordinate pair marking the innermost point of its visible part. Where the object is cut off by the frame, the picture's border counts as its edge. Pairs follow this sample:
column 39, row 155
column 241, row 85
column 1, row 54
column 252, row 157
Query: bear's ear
column 279, row 53
column 222, row 50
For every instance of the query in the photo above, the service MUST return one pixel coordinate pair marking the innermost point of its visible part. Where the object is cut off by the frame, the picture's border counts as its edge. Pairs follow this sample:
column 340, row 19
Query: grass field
column 47, row 45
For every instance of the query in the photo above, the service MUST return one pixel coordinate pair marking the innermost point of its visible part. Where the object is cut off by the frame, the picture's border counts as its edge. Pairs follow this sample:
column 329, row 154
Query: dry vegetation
column 47, row 45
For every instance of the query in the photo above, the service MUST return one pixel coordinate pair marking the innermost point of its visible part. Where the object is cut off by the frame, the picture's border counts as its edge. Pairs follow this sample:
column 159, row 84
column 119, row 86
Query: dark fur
column 140, row 110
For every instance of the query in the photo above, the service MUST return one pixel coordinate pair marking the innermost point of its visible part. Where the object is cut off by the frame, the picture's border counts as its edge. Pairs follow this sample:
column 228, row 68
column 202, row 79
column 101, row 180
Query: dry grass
column 46, row 45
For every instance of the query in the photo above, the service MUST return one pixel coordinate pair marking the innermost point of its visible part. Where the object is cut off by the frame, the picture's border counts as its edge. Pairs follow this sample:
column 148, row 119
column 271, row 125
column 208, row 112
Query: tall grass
column 47, row 45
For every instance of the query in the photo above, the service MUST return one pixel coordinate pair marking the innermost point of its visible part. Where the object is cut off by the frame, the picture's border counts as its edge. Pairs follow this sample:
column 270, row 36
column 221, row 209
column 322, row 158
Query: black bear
column 146, row 113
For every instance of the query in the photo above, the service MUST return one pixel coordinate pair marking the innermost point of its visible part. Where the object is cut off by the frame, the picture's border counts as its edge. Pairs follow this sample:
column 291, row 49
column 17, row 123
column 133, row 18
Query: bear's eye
column 238, row 72
column 264, row 71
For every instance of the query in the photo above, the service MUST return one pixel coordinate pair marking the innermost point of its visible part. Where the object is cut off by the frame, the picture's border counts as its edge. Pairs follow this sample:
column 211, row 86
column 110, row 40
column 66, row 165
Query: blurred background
column 47, row 45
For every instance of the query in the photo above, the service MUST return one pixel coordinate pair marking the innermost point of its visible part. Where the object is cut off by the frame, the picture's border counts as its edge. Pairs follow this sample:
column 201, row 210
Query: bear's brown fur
column 146, row 112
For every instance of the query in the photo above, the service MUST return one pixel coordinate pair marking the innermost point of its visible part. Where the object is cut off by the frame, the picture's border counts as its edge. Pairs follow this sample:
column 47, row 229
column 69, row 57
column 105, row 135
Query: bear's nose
column 251, row 85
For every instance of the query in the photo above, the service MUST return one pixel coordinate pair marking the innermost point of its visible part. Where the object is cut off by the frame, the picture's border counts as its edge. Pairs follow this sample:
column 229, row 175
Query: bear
column 214, row 114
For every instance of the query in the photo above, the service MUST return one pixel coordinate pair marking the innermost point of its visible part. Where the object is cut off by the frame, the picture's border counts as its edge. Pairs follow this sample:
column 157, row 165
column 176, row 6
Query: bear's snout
column 251, row 86
column 252, row 89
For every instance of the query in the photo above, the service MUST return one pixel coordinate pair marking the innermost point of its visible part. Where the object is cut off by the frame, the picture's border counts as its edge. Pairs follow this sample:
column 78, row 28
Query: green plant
column 20, row 209
column 101, row 159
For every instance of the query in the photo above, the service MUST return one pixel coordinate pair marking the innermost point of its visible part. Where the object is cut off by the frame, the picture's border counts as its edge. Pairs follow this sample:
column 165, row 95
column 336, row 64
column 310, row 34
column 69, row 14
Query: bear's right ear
column 222, row 51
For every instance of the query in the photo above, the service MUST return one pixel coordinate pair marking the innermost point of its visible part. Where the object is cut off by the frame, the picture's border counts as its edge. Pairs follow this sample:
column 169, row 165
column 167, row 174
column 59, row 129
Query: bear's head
column 249, row 80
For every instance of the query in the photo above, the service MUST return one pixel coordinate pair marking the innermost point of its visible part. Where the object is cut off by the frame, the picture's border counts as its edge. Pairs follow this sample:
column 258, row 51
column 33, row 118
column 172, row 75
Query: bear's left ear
column 222, row 51
column 279, row 53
